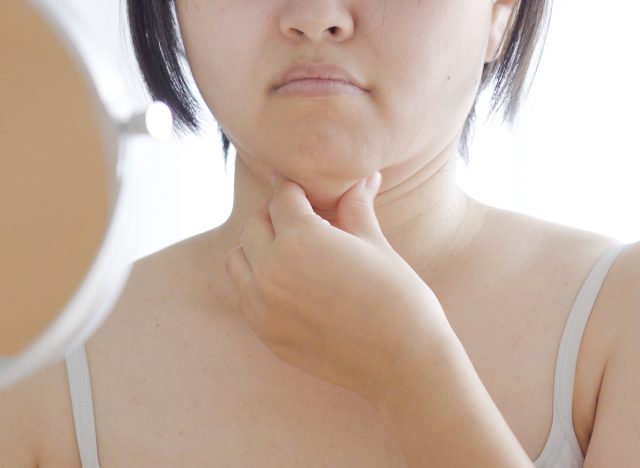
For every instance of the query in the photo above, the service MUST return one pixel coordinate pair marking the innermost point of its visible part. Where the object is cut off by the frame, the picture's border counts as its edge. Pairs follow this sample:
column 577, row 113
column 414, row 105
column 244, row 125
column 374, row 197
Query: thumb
column 355, row 209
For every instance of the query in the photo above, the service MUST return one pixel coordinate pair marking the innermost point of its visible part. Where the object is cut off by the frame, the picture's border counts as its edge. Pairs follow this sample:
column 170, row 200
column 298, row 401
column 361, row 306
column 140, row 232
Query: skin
column 179, row 372
column 333, row 320
column 420, row 64
column 421, row 79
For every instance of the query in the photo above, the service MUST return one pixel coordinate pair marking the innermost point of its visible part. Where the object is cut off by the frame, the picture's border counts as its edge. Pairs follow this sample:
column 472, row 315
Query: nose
column 316, row 20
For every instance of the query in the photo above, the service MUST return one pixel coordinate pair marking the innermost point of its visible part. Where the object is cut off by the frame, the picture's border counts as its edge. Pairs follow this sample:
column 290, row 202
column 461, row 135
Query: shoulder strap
column 82, row 403
column 567, row 361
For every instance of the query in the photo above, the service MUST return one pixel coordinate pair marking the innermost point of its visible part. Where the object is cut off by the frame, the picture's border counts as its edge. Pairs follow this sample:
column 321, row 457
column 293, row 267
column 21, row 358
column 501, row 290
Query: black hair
column 158, row 48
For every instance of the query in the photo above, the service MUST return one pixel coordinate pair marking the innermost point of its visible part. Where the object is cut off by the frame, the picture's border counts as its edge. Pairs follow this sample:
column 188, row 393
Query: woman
column 332, row 321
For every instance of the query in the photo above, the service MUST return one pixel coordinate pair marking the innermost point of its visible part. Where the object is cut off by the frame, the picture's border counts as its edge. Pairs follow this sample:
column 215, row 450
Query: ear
column 502, row 10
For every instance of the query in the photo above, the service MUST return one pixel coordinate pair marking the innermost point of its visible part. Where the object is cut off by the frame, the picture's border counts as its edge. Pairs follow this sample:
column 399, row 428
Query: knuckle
column 359, row 204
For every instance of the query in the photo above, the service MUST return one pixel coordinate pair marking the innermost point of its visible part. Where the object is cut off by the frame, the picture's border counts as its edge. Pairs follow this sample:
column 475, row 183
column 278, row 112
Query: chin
column 324, row 163
column 333, row 149
column 324, row 193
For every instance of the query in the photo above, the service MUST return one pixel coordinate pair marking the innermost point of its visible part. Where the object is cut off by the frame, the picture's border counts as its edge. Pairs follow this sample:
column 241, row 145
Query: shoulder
column 618, row 302
column 187, row 274
column 165, row 290
column 36, row 415
column 539, row 245
column 37, row 422
column 21, row 425
column 617, row 423
column 622, row 280
column 619, row 298
column 555, row 247
column 186, row 271
column 188, row 264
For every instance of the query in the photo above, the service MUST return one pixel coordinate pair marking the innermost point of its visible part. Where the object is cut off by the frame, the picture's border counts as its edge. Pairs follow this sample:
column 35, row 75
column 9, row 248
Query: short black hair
column 158, row 49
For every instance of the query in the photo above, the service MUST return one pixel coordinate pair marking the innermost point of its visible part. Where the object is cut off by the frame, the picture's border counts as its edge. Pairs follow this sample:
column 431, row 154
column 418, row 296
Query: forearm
column 443, row 416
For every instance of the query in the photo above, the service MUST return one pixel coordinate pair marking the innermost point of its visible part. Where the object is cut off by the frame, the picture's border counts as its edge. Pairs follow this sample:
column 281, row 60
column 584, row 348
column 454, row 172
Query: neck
column 423, row 214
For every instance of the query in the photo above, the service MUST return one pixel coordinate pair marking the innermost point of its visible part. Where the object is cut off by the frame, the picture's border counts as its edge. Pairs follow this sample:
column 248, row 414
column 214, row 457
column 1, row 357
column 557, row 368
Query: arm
column 332, row 320
column 443, row 416
column 615, row 439
column 472, row 432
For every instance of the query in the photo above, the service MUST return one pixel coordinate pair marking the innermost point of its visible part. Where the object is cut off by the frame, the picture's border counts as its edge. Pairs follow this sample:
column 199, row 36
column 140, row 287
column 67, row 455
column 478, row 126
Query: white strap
column 82, row 403
column 567, row 362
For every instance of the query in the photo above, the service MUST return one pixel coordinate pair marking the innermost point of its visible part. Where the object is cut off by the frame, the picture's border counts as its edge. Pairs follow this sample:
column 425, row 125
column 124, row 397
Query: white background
column 573, row 158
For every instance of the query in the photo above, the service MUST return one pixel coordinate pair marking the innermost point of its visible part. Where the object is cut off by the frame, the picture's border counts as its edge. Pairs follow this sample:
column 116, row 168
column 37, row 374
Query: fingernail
column 373, row 183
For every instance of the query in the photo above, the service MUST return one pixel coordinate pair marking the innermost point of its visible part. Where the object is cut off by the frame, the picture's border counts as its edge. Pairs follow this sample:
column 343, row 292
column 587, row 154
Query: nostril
column 333, row 30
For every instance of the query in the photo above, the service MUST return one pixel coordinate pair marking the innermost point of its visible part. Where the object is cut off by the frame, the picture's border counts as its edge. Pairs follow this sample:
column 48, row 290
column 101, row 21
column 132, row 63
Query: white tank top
column 561, row 449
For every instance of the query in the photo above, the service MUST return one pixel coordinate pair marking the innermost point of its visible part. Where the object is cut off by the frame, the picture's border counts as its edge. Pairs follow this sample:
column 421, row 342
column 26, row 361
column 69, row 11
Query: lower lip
column 318, row 88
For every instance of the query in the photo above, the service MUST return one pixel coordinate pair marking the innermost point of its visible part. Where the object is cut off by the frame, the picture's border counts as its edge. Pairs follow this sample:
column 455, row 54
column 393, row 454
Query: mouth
column 313, row 80
column 317, row 87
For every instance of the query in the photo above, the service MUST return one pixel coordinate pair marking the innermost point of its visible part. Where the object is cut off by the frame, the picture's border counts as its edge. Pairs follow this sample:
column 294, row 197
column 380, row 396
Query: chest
column 195, row 392
column 226, row 401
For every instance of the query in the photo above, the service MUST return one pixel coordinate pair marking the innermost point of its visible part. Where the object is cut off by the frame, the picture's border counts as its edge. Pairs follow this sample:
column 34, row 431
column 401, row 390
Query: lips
column 317, row 73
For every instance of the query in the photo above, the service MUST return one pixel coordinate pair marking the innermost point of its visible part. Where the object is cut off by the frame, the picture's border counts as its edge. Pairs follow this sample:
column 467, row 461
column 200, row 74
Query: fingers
column 256, row 237
column 356, row 210
column 289, row 205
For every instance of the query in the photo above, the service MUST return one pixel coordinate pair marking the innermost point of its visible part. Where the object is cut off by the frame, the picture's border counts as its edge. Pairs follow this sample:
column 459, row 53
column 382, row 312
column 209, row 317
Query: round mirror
column 65, row 231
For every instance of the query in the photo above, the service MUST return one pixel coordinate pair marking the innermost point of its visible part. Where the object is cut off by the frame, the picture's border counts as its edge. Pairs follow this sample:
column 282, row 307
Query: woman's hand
column 335, row 301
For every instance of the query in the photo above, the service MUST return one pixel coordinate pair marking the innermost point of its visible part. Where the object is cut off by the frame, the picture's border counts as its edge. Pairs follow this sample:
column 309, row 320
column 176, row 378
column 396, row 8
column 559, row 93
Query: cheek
column 424, row 69
column 210, row 31
column 435, row 70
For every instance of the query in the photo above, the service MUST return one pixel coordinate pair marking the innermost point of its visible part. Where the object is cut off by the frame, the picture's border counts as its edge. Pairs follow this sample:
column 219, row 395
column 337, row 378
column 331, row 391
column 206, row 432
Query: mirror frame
column 108, row 275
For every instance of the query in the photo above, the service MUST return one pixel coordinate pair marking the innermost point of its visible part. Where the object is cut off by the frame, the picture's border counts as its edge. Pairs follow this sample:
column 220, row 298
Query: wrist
column 431, row 366
column 439, row 410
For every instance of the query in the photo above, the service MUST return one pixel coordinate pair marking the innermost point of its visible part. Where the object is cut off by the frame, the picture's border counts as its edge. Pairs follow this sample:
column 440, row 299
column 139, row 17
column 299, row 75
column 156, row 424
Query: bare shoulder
column 621, row 291
column 615, row 320
column 542, row 251
column 36, row 424
column 36, row 428
column 173, row 266
column 184, row 266
column 606, row 405
column 545, row 236
column 618, row 303
column 556, row 247
column 20, row 425
column 181, row 276
column 167, row 293
column 616, row 427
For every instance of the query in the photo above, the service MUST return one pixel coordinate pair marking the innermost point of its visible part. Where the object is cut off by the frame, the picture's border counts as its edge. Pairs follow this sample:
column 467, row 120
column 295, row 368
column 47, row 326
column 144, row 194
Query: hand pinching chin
column 335, row 301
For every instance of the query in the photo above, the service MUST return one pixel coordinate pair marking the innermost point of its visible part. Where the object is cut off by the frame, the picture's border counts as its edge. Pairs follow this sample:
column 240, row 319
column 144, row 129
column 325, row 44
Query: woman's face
column 419, row 62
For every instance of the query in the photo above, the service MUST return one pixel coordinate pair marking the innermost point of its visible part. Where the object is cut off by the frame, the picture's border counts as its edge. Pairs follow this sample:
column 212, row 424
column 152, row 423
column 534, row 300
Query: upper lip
column 310, row 71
